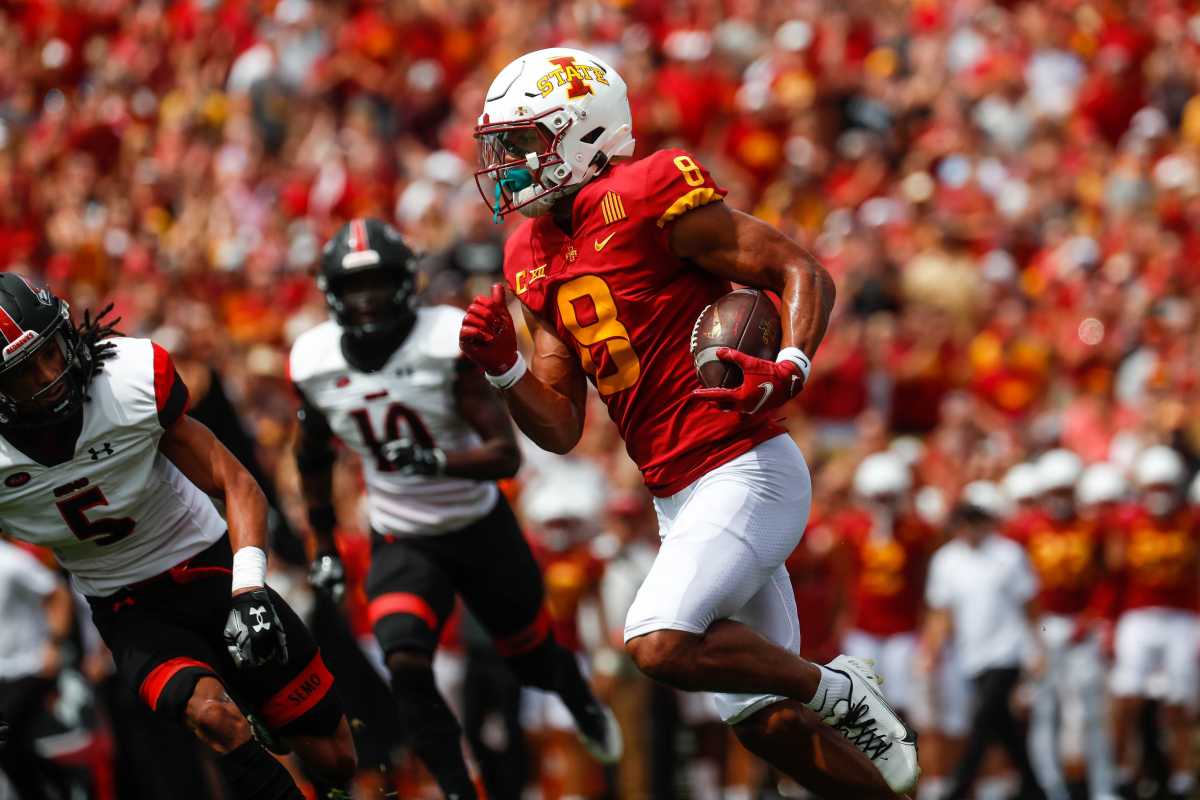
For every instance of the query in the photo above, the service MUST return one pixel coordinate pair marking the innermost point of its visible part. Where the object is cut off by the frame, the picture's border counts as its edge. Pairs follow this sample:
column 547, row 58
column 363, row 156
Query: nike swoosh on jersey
column 601, row 242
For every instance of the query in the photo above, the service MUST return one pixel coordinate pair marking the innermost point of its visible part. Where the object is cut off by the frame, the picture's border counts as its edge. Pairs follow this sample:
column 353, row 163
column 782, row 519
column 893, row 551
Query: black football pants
column 992, row 721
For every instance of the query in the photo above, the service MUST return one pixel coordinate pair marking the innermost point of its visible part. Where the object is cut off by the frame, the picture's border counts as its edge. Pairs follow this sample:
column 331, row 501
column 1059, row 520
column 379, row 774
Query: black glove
column 327, row 575
column 413, row 459
column 3, row 732
column 253, row 633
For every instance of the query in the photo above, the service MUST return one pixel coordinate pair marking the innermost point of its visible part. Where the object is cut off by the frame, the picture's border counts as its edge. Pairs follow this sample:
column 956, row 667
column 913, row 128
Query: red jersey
column 1067, row 557
column 816, row 568
column 889, row 567
column 617, row 295
column 1160, row 560
column 569, row 576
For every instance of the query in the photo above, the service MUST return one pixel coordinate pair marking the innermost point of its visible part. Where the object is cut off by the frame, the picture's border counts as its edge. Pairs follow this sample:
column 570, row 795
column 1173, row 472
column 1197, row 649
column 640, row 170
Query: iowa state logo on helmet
column 576, row 77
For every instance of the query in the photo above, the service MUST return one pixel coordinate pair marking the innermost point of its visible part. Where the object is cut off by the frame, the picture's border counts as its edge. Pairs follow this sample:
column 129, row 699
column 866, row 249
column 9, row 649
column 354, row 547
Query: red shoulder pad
column 170, row 393
column 670, row 183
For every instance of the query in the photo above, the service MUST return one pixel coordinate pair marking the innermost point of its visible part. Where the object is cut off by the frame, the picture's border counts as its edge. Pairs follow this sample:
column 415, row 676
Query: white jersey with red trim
column 410, row 398
column 118, row 511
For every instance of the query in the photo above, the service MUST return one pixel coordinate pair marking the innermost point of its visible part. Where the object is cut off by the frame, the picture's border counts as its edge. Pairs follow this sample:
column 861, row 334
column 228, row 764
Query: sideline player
column 100, row 464
column 387, row 378
column 1074, row 602
column 891, row 547
column 616, row 263
column 1155, row 553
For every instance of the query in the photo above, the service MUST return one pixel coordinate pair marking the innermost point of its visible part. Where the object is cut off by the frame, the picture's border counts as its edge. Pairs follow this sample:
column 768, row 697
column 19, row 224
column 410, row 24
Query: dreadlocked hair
column 93, row 332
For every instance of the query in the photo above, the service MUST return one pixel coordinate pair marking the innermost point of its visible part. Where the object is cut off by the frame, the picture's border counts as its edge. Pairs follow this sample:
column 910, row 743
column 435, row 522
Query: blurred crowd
column 1007, row 193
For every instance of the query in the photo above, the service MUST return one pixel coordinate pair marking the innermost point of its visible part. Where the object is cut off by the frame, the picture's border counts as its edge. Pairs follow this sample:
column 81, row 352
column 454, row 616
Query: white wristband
column 507, row 379
column 249, row 568
column 797, row 357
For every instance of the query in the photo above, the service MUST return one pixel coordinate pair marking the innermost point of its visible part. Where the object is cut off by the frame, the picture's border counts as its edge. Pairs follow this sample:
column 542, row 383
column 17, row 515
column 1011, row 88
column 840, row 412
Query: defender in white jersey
column 99, row 464
column 386, row 378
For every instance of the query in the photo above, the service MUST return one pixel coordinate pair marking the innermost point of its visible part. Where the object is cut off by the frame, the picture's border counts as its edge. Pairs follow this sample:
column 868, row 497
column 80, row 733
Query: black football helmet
column 368, row 281
column 32, row 319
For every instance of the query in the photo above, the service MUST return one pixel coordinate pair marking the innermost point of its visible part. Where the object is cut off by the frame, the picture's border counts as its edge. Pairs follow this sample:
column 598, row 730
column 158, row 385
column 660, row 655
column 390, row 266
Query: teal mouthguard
column 514, row 180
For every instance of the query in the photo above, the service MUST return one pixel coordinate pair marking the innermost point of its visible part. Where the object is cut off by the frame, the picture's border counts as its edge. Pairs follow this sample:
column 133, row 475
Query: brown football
column 744, row 319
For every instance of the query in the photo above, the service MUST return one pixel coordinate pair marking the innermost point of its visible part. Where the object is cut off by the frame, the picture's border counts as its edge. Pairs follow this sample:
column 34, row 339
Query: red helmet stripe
column 9, row 327
column 358, row 229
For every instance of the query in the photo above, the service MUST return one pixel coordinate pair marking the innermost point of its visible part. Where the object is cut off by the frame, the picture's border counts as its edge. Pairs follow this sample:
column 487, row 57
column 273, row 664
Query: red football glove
column 765, row 384
column 487, row 336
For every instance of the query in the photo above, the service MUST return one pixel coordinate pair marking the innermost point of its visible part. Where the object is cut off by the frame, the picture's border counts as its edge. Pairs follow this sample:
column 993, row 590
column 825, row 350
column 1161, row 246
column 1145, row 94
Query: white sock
column 834, row 686
column 1180, row 783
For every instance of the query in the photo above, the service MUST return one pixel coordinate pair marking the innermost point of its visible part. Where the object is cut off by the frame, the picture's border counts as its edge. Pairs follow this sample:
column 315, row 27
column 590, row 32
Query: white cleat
column 871, row 725
column 608, row 751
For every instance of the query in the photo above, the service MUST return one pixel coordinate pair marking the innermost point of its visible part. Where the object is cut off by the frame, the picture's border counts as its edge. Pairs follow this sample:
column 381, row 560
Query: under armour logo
column 259, row 613
column 106, row 450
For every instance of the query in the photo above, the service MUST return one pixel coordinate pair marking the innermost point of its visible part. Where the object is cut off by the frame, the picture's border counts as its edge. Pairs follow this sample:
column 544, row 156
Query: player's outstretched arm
column 747, row 250
column 547, row 397
column 209, row 464
column 253, row 632
column 497, row 455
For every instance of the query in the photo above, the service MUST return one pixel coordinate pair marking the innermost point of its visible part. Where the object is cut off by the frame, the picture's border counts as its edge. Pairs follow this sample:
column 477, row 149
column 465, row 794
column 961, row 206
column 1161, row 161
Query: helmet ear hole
column 591, row 136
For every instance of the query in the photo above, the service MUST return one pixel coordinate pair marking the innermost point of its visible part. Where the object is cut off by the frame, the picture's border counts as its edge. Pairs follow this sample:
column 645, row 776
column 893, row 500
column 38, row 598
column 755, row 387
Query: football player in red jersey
column 1155, row 554
column 385, row 377
column 1066, row 551
column 102, row 466
column 616, row 262
column 891, row 547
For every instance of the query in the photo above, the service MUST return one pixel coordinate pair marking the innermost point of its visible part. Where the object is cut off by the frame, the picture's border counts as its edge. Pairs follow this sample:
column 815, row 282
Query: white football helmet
column 551, row 121
column 986, row 497
column 570, row 489
column 882, row 475
column 1057, row 470
column 1021, row 482
column 1101, row 483
column 1159, row 466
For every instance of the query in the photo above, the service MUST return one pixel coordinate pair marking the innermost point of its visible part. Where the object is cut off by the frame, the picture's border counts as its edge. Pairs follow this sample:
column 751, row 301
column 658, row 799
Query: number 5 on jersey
column 105, row 530
column 588, row 310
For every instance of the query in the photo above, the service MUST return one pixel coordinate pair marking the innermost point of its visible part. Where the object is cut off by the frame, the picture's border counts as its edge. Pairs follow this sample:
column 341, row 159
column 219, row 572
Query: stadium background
column 1007, row 194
